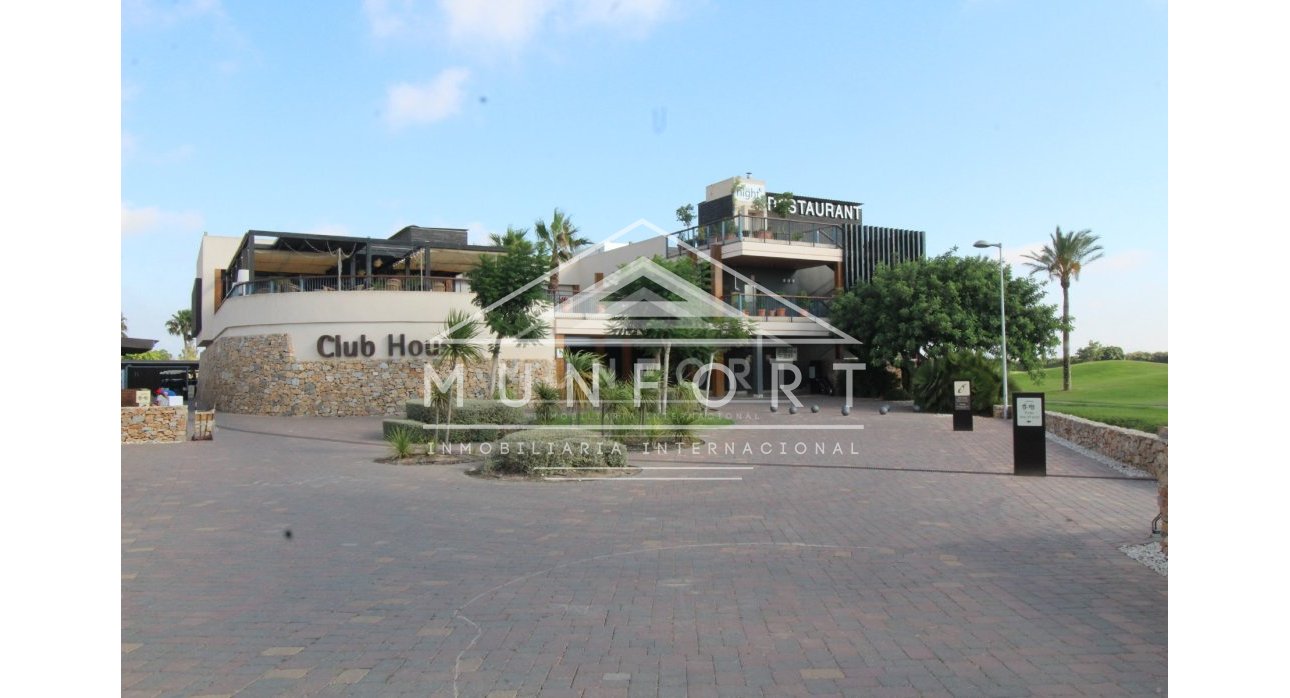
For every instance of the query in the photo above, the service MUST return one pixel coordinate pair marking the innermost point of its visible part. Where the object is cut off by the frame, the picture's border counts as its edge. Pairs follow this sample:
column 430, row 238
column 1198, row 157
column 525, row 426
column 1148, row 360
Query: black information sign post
column 962, row 406
column 1029, row 445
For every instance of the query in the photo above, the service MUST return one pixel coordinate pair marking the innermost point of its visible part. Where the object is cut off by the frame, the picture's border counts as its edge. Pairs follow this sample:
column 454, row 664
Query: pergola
column 268, row 254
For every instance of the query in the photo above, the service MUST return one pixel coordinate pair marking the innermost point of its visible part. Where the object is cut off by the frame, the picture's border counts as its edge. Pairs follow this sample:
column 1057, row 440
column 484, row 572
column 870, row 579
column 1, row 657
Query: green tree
column 1096, row 351
column 509, row 312
column 560, row 240
column 685, row 215
column 460, row 330
column 1088, row 353
column 1063, row 258
column 154, row 355
column 181, row 325
column 945, row 303
column 784, row 204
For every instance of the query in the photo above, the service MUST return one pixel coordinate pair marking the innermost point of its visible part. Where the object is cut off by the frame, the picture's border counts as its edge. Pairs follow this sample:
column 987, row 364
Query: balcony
column 775, row 241
column 305, row 284
column 762, row 306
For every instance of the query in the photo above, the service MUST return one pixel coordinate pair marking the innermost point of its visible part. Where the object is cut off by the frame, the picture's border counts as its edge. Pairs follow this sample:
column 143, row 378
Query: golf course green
column 1133, row 394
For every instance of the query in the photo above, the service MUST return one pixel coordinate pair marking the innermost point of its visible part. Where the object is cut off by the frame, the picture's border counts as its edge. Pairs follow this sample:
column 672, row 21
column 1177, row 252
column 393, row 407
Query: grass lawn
column 1132, row 394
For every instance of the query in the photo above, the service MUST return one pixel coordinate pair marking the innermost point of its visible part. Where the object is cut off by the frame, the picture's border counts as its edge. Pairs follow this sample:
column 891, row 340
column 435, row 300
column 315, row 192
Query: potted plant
column 784, row 206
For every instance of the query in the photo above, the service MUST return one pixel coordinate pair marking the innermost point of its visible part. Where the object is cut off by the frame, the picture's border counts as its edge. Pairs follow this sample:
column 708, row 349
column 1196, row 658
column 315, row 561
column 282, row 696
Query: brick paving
column 914, row 567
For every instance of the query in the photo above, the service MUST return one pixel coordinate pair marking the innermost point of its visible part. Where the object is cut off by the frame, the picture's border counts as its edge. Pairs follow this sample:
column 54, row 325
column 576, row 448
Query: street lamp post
column 1003, row 320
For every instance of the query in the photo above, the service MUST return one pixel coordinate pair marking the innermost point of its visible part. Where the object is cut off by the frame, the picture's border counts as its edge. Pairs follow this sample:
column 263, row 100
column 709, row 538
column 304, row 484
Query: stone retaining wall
column 1137, row 449
column 151, row 425
column 261, row 375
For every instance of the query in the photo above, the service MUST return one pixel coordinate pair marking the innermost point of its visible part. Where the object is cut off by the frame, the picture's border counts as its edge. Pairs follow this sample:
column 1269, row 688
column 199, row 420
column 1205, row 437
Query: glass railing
column 758, row 228
column 763, row 306
column 298, row 284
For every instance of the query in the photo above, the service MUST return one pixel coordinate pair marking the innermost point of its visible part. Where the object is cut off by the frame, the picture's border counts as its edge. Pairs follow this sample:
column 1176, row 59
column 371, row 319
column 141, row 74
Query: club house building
column 305, row 324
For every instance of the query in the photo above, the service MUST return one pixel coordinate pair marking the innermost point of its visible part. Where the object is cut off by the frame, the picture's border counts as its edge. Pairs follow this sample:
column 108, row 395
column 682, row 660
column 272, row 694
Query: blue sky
column 997, row 119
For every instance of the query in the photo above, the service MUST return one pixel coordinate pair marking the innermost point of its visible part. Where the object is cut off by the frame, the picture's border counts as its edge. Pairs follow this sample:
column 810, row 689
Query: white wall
column 214, row 253
column 305, row 317
column 583, row 272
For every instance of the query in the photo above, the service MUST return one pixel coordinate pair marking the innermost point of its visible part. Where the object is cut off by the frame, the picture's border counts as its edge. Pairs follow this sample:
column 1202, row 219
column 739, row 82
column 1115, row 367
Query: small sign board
column 1030, row 412
column 962, row 406
column 1029, row 440
column 142, row 398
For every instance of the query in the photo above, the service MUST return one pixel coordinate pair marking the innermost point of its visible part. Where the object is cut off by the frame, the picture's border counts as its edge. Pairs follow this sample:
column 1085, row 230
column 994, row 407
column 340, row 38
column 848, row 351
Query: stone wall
column 1138, row 449
column 150, row 425
column 261, row 375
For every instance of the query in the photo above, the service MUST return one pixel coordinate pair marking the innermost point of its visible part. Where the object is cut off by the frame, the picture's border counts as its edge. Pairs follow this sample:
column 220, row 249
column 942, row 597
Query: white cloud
column 390, row 18
column 634, row 17
column 1122, row 261
column 151, row 219
column 477, row 233
column 511, row 22
column 428, row 102
column 152, row 12
column 1016, row 256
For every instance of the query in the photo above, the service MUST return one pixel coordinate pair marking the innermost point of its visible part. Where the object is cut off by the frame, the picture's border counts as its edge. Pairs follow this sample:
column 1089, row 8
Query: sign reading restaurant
column 334, row 346
column 820, row 208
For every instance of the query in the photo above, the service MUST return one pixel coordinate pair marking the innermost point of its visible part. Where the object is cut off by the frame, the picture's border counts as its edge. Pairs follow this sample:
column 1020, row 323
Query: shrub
column 616, row 398
column 547, row 404
column 471, row 412
column 682, row 424
column 418, row 411
column 897, row 393
column 401, row 438
column 414, row 429
column 877, row 380
column 537, row 450
column 934, row 382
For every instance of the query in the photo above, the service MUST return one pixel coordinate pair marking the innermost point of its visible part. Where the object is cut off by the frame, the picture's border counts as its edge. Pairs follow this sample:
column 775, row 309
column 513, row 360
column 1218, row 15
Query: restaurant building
column 304, row 324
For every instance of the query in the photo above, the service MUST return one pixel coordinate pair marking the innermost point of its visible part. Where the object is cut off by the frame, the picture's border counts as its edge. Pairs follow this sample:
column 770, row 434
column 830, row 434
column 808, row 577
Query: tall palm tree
column 460, row 330
column 181, row 325
column 560, row 239
column 1063, row 259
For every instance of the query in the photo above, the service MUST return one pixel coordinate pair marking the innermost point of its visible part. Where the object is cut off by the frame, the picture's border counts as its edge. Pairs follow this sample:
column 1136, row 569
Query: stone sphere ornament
column 884, row 409
column 846, row 410
column 815, row 409
column 774, row 408
column 792, row 410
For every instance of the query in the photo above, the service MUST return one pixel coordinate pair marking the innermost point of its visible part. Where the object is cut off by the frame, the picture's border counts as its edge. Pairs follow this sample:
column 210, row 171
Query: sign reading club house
column 335, row 346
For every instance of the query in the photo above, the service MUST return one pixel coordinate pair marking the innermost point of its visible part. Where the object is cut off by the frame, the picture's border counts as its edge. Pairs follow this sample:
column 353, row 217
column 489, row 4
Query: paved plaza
column 904, row 560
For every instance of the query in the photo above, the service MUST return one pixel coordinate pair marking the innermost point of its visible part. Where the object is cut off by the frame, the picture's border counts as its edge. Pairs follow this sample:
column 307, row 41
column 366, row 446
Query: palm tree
column 583, row 364
column 1063, row 259
column 561, row 240
column 460, row 330
column 181, row 325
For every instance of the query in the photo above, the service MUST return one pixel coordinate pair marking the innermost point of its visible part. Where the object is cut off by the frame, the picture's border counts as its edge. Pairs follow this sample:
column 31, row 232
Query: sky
column 968, row 119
